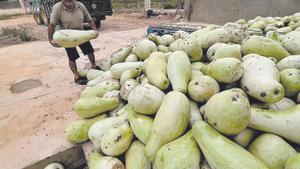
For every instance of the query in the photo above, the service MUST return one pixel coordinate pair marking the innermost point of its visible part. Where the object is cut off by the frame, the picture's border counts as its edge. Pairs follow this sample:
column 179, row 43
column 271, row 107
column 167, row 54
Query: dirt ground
column 37, row 88
column 118, row 22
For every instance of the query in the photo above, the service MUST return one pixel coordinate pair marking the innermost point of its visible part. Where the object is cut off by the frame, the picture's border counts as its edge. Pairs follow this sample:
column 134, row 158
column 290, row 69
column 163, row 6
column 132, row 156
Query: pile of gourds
column 221, row 98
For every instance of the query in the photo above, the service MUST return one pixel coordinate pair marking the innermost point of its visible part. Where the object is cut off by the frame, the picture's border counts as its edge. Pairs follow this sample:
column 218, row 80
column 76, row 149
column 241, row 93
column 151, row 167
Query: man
column 71, row 14
column 147, row 7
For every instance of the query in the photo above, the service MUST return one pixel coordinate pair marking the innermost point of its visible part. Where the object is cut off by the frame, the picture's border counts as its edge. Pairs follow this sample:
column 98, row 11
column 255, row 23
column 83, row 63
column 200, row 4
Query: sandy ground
column 32, row 121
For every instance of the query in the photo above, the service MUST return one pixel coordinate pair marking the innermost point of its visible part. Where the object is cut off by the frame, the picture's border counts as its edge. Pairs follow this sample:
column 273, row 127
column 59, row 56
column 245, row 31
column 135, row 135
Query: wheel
column 98, row 23
column 44, row 16
column 37, row 19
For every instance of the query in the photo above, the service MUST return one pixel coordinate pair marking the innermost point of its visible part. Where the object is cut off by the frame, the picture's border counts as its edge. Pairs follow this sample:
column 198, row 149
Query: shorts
column 86, row 49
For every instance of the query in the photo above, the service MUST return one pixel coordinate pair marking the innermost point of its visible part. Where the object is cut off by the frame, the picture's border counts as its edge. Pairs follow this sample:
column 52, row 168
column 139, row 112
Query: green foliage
column 23, row 32
column 127, row 4
column 4, row 17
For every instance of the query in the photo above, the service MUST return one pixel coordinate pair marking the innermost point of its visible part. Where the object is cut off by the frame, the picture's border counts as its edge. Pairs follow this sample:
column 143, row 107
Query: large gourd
column 170, row 122
column 91, row 106
column 290, row 79
column 245, row 137
column 272, row 150
column 225, row 70
column 230, row 32
column 98, row 129
column 145, row 99
column 144, row 48
column 135, row 157
column 228, row 111
column 119, row 68
column 283, row 104
column 284, row 123
column 202, row 88
column 195, row 114
column 290, row 62
column 116, row 140
column 121, row 55
column 261, row 79
column 179, row 71
column 293, row 162
column 100, row 78
column 77, row 131
column 141, row 125
column 99, row 90
column 54, row 166
column 155, row 68
column 71, row 38
column 98, row 161
column 128, row 87
column 291, row 42
column 181, row 153
column 264, row 46
column 222, row 50
column 222, row 153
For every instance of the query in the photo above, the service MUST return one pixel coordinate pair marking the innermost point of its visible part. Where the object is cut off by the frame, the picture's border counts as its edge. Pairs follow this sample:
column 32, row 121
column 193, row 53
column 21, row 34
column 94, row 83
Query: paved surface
column 37, row 88
column 32, row 123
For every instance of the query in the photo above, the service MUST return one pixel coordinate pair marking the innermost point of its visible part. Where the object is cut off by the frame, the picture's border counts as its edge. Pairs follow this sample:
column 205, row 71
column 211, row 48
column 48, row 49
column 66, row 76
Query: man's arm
column 51, row 29
column 92, row 25
column 88, row 18
column 54, row 19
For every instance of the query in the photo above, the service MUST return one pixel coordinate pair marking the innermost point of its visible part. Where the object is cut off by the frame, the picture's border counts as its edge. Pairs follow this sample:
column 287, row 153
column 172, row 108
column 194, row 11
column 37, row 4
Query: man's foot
column 81, row 81
column 96, row 67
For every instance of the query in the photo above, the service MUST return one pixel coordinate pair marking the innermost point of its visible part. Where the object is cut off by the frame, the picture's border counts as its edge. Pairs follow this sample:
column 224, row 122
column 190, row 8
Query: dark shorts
column 86, row 48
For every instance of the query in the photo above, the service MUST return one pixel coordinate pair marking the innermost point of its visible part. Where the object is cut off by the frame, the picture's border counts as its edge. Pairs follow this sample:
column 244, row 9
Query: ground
column 37, row 88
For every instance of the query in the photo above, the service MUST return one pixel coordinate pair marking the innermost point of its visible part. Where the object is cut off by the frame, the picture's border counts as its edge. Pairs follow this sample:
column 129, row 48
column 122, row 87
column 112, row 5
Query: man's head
column 70, row 4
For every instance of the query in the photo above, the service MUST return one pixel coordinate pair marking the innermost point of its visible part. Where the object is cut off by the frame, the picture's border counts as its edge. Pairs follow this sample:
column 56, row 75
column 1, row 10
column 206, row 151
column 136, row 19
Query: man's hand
column 54, row 44
column 93, row 26
column 96, row 34
column 51, row 28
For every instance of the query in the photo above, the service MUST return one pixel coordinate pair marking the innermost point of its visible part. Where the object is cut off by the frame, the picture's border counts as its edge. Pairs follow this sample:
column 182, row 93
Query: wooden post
column 187, row 10
column 22, row 3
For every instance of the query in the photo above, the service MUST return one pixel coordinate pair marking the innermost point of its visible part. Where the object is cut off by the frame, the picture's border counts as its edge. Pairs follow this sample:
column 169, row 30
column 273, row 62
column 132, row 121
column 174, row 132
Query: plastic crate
column 163, row 29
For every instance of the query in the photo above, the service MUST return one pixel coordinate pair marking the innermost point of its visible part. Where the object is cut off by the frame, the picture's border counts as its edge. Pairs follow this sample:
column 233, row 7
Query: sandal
column 97, row 68
column 81, row 80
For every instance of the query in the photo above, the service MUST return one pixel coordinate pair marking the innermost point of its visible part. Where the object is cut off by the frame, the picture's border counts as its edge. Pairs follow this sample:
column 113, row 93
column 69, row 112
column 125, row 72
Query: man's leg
column 87, row 49
column 91, row 57
column 73, row 55
column 73, row 67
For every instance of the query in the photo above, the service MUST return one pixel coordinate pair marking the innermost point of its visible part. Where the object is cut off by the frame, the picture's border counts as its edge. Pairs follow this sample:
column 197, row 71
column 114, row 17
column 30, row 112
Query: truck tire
column 98, row 23
column 37, row 16
column 44, row 16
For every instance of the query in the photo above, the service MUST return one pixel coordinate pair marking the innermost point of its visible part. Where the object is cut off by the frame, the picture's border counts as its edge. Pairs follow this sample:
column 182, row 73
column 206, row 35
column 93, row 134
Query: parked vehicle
column 41, row 10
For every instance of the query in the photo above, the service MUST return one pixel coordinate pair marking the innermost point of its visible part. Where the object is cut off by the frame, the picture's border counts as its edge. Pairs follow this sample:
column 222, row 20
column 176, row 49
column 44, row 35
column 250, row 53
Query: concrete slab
column 72, row 158
column 12, row 11
column 32, row 122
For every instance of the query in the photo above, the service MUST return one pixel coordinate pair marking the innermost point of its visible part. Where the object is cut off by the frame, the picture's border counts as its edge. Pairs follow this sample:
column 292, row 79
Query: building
column 222, row 11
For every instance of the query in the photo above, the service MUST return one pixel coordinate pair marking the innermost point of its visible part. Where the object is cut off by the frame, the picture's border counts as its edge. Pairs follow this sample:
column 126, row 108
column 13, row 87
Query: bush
column 23, row 32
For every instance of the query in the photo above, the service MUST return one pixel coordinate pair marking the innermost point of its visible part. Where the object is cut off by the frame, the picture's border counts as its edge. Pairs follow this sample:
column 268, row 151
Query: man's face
column 68, row 3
